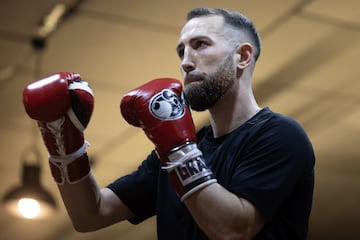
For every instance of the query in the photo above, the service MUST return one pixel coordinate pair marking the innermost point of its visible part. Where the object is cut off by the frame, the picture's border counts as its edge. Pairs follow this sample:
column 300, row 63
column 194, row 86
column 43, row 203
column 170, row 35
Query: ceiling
column 309, row 70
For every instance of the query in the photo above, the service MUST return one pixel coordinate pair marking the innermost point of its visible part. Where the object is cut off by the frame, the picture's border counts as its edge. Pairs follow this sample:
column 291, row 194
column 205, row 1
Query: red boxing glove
column 62, row 104
column 158, row 109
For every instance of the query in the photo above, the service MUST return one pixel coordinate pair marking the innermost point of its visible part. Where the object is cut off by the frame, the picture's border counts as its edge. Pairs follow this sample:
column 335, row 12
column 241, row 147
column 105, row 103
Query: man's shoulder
column 275, row 119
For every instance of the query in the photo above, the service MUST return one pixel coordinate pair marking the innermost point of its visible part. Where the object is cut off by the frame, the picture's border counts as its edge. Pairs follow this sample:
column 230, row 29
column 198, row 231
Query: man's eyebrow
column 199, row 37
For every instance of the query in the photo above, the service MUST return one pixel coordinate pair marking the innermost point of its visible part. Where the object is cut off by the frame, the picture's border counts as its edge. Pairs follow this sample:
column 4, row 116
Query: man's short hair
column 234, row 19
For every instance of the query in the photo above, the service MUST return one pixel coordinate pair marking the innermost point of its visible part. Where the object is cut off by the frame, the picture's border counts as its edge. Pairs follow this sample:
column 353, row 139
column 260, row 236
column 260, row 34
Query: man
column 248, row 175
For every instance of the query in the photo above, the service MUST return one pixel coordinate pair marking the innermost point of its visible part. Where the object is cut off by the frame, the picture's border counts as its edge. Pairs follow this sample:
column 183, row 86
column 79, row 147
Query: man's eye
column 180, row 52
column 200, row 44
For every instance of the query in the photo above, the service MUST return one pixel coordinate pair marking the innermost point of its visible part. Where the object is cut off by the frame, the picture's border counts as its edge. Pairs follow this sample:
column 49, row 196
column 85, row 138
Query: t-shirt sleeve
column 138, row 189
column 272, row 165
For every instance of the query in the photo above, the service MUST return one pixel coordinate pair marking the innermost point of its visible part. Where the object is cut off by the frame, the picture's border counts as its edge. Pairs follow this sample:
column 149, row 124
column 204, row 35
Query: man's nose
column 187, row 62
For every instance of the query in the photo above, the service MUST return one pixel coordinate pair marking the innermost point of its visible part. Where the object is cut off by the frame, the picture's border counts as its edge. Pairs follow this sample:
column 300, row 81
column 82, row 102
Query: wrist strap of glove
column 181, row 155
column 71, row 168
column 188, row 170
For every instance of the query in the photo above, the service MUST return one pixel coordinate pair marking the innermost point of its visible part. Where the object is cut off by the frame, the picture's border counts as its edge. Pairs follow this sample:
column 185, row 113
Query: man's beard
column 204, row 94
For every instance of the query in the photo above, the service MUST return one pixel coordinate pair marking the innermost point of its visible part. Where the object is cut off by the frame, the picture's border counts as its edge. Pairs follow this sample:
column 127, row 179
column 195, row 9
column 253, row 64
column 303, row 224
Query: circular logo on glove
column 166, row 106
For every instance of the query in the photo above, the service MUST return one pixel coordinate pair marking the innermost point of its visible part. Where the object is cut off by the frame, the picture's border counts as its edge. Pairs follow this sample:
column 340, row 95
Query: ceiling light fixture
column 30, row 199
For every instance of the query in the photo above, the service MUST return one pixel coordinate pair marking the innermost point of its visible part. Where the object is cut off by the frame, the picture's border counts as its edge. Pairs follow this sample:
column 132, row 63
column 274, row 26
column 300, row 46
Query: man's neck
column 231, row 112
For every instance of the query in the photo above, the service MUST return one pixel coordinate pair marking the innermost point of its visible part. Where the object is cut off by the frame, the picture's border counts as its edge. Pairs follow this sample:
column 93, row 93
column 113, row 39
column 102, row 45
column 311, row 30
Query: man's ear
column 245, row 55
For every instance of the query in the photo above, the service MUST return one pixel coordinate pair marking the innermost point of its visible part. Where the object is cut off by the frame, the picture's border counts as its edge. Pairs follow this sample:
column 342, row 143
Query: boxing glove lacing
column 63, row 160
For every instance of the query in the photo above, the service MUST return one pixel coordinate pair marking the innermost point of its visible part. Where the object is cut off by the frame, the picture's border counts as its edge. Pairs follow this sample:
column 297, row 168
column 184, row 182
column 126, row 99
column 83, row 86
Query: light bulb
column 29, row 207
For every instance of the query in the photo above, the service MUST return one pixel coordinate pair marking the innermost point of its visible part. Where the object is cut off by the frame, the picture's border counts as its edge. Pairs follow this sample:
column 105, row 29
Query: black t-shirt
column 268, row 160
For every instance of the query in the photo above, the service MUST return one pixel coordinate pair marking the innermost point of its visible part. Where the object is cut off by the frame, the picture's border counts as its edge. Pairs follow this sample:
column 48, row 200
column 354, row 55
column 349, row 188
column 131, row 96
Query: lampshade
column 30, row 199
